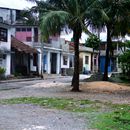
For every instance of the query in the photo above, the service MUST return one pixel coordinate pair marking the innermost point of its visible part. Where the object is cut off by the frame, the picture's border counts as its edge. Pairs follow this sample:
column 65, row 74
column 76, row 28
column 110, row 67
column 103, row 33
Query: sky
column 16, row 4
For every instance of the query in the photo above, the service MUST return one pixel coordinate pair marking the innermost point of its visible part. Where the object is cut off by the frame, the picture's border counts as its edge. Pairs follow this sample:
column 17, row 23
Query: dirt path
column 103, row 91
column 30, row 117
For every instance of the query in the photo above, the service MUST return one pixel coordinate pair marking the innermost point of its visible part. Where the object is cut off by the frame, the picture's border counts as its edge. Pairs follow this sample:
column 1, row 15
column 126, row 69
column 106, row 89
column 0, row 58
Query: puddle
column 33, row 127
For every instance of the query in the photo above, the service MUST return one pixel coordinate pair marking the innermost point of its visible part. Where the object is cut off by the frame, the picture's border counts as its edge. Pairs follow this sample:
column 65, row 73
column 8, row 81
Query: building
column 16, row 55
column 88, row 60
column 26, row 53
column 5, row 47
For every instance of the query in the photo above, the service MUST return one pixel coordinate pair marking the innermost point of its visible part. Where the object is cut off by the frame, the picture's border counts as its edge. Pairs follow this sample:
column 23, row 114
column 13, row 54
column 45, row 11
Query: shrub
column 2, row 71
column 124, row 59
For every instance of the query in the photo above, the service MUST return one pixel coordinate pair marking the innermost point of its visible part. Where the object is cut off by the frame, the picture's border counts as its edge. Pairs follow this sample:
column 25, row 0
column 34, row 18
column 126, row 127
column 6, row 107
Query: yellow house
column 88, row 60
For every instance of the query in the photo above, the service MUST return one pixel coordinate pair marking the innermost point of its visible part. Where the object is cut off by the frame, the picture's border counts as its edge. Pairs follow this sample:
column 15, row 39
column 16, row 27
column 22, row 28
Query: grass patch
column 102, row 116
column 63, row 104
column 119, row 119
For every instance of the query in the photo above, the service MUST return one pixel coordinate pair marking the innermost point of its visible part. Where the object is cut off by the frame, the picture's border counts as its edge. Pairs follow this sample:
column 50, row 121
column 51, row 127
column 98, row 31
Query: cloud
column 16, row 4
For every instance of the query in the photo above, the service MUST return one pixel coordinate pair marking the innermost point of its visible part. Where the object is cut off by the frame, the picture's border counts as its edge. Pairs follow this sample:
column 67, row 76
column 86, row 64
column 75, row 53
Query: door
column 53, row 63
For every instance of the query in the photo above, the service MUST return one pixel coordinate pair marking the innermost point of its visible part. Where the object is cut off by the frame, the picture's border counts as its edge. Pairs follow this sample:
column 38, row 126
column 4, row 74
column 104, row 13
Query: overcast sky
column 16, row 4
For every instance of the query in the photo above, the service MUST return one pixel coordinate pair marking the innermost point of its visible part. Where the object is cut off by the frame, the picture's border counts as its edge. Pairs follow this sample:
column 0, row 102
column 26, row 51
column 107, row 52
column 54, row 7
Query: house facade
column 113, row 65
column 5, row 47
column 26, row 53
column 88, row 60
column 16, row 55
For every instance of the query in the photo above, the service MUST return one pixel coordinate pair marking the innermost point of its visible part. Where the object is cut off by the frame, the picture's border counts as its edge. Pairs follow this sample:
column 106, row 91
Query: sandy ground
column 31, row 117
column 103, row 91
column 102, row 86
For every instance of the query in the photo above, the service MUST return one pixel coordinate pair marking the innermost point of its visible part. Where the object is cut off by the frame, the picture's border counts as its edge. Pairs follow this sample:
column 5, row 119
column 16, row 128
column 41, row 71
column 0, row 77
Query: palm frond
column 52, row 22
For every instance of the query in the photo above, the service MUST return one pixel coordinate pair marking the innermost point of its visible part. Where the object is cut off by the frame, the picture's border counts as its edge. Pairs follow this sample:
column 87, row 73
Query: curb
column 19, row 80
column 28, row 79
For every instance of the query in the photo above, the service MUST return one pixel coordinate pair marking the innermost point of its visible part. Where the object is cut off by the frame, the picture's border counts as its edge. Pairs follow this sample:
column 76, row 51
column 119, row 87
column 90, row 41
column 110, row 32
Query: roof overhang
column 22, row 47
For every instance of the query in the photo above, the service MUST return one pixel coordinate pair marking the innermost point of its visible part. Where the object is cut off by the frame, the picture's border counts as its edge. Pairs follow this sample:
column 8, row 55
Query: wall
column 8, row 15
column 67, row 60
column 82, row 56
column 6, row 46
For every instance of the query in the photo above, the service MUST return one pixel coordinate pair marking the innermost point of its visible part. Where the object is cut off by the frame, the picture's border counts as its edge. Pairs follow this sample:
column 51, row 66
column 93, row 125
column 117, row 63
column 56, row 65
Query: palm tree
column 117, row 23
column 54, row 15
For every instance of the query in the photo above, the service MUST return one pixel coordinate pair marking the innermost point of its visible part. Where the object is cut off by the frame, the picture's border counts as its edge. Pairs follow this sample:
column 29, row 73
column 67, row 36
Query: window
column 28, row 39
column 23, row 29
column 86, row 59
column 28, row 29
column 36, row 34
column 18, row 29
column 18, row 14
column 95, row 60
column 3, row 34
column 65, row 59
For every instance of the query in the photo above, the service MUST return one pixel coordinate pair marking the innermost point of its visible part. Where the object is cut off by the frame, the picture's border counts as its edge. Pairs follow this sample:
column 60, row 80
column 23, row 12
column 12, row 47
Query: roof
column 21, row 47
column 82, row 48
column 87, row 49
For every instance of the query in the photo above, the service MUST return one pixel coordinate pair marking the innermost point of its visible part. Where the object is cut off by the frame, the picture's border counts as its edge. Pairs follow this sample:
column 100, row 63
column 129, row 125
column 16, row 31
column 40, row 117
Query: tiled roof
column 21, row 47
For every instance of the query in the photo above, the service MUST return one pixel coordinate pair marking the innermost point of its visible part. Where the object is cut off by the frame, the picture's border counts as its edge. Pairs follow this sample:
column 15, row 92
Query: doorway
column 53, row 63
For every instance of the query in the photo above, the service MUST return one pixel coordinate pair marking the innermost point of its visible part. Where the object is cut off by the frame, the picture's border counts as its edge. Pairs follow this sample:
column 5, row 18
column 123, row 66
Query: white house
column 10, row 59
column 5, row 47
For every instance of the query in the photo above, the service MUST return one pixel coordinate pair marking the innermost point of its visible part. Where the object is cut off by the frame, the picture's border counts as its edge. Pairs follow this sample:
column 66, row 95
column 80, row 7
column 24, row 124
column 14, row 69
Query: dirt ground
column 103, row 91
column 31, row 117
column 106, row 87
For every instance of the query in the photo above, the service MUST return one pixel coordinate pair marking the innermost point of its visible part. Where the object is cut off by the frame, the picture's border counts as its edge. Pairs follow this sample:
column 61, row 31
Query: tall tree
column 56, row 14
column 114, row 15
column 117, row 24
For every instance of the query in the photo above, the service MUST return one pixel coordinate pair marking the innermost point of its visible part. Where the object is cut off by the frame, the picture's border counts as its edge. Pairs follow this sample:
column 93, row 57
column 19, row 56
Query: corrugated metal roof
column 21, row 47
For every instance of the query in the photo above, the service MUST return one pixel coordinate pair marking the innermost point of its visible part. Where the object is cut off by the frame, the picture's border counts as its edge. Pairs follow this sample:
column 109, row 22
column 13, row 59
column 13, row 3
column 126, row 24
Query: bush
column 124, row 59
column 2, row 72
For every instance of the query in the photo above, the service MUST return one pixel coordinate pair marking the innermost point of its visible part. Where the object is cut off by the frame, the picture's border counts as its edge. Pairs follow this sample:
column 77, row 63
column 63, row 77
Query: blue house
column 102, row 64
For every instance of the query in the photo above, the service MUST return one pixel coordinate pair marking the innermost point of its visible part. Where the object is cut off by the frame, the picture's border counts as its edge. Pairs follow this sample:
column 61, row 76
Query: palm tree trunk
column 75, row 79
column 105, row 76
column 92, row 65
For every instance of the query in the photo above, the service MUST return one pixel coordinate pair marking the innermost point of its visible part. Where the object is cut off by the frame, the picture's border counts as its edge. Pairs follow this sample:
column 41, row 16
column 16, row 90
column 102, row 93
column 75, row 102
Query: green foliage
column 104, row 116
column 93, row 41
column 2, row 71
column 56, row 14
column 119, row 119
column 124, row 59
column 63, row 104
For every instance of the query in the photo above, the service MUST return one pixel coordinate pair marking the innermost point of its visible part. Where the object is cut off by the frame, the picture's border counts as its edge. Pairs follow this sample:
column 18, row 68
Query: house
column 88, row 60
column 23, row 58
column 5, row 46
column 16, row 55
column 113, row 65
column 57, row 57
column 29, row 54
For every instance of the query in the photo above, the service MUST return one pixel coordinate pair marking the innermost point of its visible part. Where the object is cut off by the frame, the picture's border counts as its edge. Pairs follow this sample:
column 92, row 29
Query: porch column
column 8, row 64
column 48, row 62
column 58, row 64
column 39, row 61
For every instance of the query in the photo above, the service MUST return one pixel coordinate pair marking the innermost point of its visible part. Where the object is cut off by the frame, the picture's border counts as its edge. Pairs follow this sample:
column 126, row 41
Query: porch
column 23, row 59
